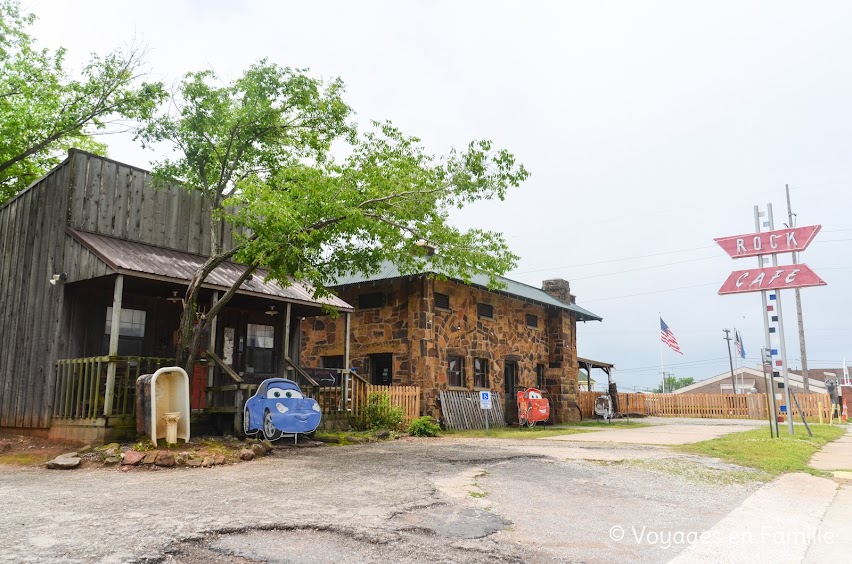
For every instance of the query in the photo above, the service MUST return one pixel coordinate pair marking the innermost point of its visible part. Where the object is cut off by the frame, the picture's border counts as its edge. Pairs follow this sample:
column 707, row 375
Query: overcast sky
column 649, row 128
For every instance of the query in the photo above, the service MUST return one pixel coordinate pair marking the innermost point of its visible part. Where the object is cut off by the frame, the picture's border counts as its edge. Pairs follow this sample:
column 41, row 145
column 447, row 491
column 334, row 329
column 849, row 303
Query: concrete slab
column 678, row 434
column 781, row 522
column 834, row 543
column 836, row 455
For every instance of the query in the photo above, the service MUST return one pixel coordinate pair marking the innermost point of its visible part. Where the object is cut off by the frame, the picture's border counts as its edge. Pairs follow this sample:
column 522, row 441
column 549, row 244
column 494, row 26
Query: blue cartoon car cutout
column 278, row 408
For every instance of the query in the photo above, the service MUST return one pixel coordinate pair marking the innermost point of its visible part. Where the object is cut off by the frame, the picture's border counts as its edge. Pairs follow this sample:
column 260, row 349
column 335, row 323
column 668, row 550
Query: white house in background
column 750, row 380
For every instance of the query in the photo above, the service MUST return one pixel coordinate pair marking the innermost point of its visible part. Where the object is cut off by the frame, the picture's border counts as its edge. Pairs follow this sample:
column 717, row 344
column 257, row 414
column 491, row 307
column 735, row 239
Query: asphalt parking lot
column 411, row 500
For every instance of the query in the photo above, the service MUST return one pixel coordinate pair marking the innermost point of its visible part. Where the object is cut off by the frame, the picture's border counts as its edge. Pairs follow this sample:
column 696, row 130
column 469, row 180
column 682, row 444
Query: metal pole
column 770, row 395
column 727, row 337
column 766, row 336
column 802, row 349
column 783, row 344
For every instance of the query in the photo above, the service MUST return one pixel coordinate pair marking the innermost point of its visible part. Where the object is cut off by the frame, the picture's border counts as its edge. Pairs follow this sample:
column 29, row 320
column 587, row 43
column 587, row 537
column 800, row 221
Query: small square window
column 370, row 301
column 442, row 301
column 480, row 373
column 455, row 371
column 485, row 310
column 532, row 320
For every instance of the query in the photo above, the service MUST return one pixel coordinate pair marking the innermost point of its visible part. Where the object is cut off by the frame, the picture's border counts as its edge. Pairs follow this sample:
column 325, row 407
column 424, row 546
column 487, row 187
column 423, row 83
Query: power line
column 614, row 260
column 652, row 292
column 646, row 267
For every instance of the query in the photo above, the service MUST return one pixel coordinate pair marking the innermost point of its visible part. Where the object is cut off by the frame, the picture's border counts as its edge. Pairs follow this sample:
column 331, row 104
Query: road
column 411, row 500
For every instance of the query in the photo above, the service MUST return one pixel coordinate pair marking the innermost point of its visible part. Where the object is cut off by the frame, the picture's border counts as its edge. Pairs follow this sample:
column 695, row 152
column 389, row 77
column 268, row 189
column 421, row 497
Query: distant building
column 750, row 380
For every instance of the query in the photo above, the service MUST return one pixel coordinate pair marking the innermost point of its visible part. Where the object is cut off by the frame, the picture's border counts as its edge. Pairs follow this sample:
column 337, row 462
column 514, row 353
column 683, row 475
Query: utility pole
column 727, row 337
column 805, row 383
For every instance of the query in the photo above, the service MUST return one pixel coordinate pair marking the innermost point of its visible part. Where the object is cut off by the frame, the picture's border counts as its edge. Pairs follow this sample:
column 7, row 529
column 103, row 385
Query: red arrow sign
column 772, row 278
column 780, row 241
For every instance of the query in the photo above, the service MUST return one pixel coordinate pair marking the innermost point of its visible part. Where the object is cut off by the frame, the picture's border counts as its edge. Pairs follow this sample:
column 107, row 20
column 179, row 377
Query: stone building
column 446, row 335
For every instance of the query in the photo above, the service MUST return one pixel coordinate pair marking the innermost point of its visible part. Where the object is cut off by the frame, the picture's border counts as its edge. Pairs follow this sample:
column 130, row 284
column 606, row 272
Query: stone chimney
column 559, row 289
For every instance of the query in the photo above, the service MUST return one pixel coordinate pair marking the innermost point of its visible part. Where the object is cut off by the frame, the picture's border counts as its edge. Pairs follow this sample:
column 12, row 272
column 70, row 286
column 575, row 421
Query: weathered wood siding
column 119, row 200
column 32, row 229
column 37, row 323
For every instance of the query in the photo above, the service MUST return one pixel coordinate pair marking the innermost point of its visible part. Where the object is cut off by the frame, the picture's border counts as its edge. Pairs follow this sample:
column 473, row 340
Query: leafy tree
column 672, row 384
column 43, row 111
column 275, row 155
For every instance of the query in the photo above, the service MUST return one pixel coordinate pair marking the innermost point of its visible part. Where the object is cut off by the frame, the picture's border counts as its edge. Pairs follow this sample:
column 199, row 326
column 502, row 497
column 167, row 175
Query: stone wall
column 422, row 337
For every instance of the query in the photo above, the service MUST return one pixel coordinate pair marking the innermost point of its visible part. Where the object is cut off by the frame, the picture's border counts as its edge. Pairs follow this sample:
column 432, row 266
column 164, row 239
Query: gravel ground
column 412, row 500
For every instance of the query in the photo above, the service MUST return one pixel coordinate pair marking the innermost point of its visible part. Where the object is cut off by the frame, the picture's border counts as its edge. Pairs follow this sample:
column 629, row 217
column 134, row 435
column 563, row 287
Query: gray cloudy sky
column 649, row 128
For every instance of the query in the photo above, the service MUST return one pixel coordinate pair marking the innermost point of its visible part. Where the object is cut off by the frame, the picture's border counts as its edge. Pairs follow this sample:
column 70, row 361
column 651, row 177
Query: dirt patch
column 25, row 450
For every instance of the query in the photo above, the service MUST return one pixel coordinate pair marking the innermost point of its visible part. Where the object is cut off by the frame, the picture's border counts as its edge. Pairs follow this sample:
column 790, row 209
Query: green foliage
column 275, row 155
column 43, row 111
column 672, row 383
column 424, row 427
column 380, row 414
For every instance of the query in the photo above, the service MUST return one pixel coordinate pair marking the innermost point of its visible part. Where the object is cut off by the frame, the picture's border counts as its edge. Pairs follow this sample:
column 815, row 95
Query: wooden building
column 93, row 264
column 439, row 335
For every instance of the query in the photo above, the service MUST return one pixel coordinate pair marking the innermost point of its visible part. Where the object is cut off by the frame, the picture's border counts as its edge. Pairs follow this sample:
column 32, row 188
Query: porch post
column 212, row 346
column 346, row 342
column 346, row 367
column 286, row 340
column 114, row 327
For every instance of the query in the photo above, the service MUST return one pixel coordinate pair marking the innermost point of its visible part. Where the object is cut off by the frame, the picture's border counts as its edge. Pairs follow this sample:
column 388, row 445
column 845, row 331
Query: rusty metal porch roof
column 149, row 261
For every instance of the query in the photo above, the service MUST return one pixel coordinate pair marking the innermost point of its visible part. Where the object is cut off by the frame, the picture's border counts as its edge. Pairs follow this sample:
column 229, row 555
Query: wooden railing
column 81, row 385
column 349, row 397
column 708, row 406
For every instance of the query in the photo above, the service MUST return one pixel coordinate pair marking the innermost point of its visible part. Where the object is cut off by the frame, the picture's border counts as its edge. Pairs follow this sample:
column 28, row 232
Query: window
column 442, row 301
column 455, row 371
column 532, row 320
column 259, row 347
column 539, row 376
column 131, row 332
column 480, row 373
column 332, row 361
column 369, row 301
column 485, row 310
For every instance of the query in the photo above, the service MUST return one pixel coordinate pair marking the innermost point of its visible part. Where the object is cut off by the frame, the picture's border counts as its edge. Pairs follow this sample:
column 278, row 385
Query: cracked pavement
column 407, row 500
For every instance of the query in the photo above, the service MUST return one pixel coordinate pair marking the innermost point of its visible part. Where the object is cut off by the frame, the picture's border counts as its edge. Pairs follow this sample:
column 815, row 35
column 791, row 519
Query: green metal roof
column 511, row 288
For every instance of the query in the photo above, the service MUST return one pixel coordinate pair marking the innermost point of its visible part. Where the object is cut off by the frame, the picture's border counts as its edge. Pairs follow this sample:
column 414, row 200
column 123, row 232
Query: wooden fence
column 461, row 410
column 708, row 406
column 351, row 396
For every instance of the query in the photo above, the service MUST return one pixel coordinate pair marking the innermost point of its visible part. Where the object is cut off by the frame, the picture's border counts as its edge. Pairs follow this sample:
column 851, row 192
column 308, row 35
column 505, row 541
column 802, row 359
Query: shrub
column 380, row 414
column 424, row 427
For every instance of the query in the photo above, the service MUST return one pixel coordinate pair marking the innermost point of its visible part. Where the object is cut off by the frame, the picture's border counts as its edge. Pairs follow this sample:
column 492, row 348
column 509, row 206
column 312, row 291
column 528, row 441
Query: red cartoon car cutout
column 532, row 407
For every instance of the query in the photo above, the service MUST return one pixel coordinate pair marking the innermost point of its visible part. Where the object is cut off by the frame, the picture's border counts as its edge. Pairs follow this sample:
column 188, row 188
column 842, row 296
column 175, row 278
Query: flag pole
column 662, row 373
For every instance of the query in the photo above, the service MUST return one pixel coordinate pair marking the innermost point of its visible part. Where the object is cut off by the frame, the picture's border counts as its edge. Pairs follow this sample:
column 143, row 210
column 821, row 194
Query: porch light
column 271, row 311
column 58, row 278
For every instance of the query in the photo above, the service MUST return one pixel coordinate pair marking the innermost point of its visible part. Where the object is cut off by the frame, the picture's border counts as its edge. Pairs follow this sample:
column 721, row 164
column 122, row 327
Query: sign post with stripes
column 769, row 279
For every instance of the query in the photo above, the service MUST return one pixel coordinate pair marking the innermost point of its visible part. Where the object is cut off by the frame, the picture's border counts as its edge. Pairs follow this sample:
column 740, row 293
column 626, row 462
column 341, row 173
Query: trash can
column 162, row 404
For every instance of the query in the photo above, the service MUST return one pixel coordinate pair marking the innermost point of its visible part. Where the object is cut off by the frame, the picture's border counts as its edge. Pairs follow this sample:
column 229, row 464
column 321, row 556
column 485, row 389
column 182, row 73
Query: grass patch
column 755, row 449
column 519, row 433
column 698, row 473
column 632, row 424
column 25, row 459
column 340, row 438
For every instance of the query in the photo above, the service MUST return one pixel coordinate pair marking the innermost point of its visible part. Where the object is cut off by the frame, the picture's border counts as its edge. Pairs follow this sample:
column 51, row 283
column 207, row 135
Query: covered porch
column 120, row 317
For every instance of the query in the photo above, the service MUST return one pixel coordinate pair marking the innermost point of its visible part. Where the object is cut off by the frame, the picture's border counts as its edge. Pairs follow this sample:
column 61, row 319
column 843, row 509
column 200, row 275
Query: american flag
column 668, row 337
column 739, row 342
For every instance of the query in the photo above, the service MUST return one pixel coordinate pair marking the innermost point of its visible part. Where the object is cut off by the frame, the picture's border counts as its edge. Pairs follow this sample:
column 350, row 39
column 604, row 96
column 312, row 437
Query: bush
column 424, row 427
column 380, row 414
